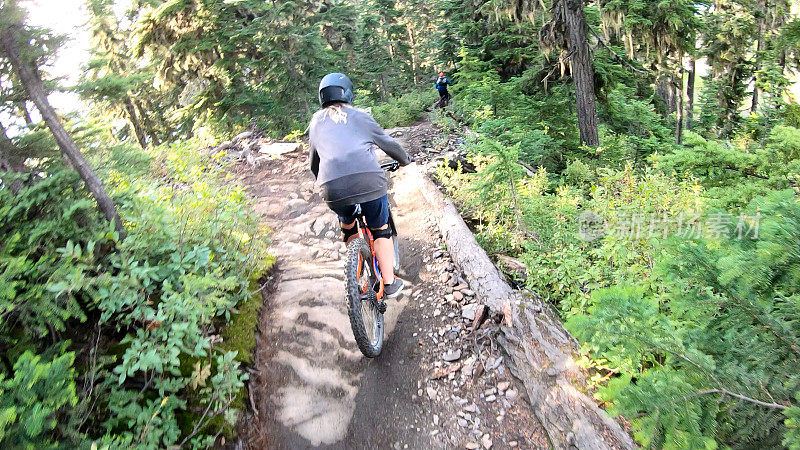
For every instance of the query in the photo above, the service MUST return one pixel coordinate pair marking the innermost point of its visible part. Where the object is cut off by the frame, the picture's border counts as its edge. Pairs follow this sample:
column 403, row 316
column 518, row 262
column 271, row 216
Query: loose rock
column 452, row 355
column 511, row 394
column 242, row 135
column 318, row 226
column 443, row 371
column 431, row 392
column 468, row 311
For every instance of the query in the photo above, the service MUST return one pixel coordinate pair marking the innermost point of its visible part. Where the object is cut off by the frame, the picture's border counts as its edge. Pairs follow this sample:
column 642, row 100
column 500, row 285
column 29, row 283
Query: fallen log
column 540, row 351
column 514, row 266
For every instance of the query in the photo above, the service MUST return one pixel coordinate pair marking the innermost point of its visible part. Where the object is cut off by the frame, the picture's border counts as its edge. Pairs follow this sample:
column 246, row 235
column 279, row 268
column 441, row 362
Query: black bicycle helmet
column 335, row 87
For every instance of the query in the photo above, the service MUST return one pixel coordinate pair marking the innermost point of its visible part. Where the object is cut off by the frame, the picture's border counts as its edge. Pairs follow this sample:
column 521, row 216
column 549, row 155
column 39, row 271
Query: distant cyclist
column 348, row 172
column 441, row 85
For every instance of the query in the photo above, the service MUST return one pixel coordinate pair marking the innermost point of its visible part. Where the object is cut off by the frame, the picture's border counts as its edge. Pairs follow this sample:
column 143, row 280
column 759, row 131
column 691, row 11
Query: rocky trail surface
column 441, row 381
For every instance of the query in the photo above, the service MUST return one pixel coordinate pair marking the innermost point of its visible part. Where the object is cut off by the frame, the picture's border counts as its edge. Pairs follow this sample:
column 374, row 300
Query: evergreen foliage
column 150, row 305
column 691, row 334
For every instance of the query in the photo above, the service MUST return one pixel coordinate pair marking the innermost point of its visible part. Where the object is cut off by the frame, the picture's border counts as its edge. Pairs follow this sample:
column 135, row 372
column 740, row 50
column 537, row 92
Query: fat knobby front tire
column 365, row 319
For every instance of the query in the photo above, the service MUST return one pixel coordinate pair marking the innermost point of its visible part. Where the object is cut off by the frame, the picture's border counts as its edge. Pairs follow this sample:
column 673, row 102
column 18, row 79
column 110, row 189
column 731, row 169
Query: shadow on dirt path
column 311, row 385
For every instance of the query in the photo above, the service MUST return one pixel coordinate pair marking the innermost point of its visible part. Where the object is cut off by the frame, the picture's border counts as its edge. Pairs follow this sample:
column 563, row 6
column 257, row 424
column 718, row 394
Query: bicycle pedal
column 382, row 306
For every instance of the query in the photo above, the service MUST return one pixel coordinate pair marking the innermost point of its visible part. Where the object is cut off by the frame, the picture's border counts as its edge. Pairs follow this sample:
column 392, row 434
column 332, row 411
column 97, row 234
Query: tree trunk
column 145, row 118
column 754, row 101
column 32, row 83
column 137, row 126
column 413, row 52
column 539, row 349
column 582, row 69
column 690, row 94
column 730, row 104
column 5, row 163
column 384, row 91
column 759, row 50
column 665, row 88
column 679, row 109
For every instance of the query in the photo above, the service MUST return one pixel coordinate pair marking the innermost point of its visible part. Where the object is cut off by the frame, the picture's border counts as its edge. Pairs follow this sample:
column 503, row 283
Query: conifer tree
column 728, row 34
column 110, row 79
column 16, row 47
column 567, row 31
column 722, row 343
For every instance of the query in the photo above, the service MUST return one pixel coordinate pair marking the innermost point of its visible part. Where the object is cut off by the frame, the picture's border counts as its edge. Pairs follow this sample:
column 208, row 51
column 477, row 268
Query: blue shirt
column 442, row 86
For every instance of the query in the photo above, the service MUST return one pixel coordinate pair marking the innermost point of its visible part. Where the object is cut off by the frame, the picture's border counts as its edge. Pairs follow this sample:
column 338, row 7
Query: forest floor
column 440, row 382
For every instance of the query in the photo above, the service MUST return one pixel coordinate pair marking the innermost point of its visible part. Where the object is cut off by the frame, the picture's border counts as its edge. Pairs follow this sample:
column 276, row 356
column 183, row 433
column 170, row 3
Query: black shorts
column 375, row 211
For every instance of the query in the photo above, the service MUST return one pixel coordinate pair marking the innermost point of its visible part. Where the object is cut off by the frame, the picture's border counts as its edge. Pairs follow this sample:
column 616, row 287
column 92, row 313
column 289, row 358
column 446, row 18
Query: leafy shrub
column 693, row 335
column 633, row 129
column 712, row 356
column 560, row 263
column 735, row 175
column 127, row 331
column 29, row 400
column 577, row 173
column 790, row 113
column 403, row 111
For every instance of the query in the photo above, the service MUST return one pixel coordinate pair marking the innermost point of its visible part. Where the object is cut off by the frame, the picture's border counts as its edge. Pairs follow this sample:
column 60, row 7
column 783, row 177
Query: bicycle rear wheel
column 365, row 318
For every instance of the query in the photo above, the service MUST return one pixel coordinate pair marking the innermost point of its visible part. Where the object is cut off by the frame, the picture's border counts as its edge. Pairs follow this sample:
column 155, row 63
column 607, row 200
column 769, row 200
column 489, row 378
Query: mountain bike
column 365, row 302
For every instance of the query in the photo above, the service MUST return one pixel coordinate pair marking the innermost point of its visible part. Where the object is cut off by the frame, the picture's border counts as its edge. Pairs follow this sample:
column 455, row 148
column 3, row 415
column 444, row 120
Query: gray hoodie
column 343, row 160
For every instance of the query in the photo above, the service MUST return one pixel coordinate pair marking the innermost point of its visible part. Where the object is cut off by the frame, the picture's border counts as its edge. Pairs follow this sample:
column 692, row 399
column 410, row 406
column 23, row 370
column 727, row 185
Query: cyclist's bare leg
column 346, row 226
column 384, row 250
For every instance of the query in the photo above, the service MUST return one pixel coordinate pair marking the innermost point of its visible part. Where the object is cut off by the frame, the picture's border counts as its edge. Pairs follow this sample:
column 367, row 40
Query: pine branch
column 748, row 308
column 719, row 390
column 620, row 58
column 735, row 395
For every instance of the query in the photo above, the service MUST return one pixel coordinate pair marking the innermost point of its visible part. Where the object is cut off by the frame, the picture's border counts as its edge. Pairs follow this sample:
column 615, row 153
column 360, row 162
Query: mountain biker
column 441, row 85
column 348, row 172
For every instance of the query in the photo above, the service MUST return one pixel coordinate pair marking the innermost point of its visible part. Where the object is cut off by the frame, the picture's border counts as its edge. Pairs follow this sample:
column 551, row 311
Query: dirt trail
column 311, row 385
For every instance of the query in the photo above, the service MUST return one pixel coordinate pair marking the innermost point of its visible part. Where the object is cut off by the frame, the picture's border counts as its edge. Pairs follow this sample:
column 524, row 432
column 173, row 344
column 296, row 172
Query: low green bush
column 711, row 354
column 125, row 342
column 404, row 110
column 688, row 320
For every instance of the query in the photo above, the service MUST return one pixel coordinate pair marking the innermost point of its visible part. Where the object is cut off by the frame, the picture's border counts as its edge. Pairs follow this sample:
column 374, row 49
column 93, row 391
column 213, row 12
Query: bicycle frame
column 367, row 235
column 371, row 242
